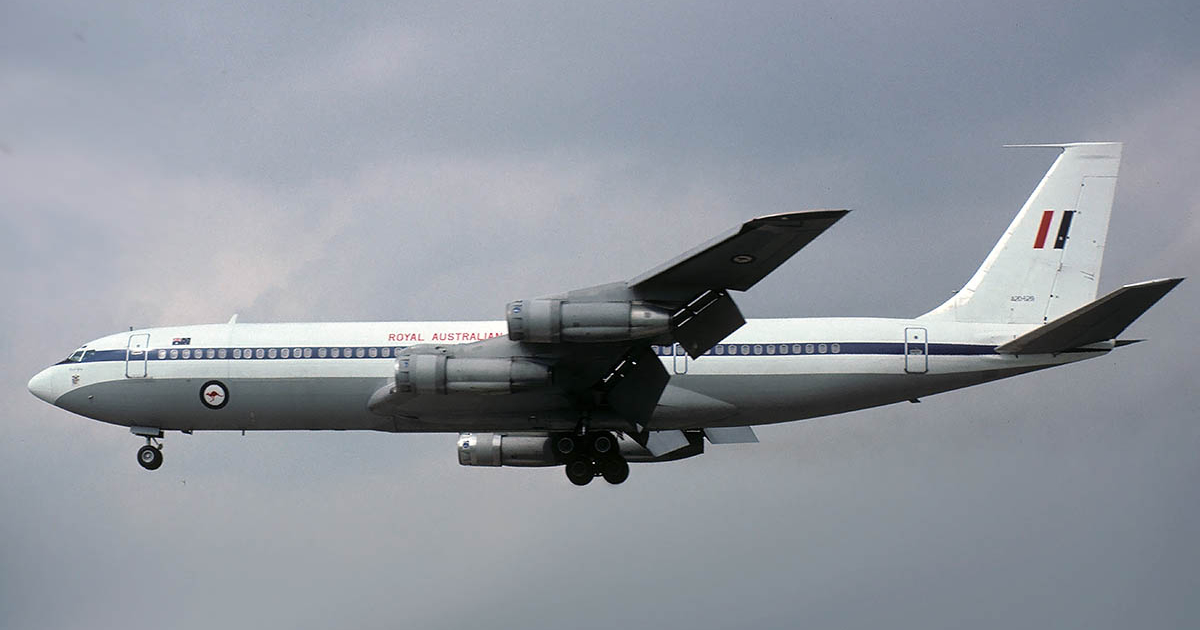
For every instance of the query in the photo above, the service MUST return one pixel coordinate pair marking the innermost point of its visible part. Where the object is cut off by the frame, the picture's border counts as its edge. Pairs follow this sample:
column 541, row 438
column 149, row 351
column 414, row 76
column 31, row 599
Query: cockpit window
column 76, row 356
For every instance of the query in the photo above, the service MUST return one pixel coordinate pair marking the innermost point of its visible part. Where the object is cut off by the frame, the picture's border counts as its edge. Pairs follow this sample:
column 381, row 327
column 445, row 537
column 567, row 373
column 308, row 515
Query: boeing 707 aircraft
column 644, row 370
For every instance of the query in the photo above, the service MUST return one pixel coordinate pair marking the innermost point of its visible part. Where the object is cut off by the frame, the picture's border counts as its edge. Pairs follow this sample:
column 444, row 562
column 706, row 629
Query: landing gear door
column 916, row 351
column 135, row 356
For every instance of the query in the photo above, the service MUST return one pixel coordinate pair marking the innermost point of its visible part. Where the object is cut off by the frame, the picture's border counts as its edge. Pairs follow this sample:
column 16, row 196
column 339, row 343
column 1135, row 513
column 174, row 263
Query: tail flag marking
column 1060, row 241
column 1043, row 229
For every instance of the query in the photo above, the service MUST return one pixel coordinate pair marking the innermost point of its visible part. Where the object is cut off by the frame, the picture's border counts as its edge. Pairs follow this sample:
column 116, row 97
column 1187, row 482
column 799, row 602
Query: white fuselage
column 321, row 376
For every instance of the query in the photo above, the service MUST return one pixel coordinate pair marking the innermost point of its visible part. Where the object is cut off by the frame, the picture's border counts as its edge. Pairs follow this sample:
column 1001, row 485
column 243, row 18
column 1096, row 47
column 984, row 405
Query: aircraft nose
column 42, row 385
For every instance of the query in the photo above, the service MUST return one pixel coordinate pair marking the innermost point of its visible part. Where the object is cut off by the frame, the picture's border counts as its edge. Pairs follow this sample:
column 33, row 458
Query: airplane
column 644, row 370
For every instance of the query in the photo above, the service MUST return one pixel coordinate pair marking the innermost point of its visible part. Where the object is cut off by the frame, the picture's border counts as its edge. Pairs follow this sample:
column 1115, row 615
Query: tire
column 581, row 471
column 149, row 457
column 604, row 444
column 615, row 470
column 564, row 445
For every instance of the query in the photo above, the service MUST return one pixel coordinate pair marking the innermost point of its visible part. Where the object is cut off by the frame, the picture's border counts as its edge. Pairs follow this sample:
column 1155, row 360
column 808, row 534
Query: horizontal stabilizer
column 1098, row 321
column 731, row 435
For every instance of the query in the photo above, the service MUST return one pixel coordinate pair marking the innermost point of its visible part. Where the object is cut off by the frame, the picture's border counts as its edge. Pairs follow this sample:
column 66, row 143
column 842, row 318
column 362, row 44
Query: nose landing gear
column 149, row 456
column 593, row 454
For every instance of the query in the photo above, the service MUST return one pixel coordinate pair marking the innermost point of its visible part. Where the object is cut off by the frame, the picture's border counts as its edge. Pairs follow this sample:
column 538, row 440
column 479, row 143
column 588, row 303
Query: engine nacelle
column 442, row 374
column 495, row 449
column 552, row 321
column 498, row 449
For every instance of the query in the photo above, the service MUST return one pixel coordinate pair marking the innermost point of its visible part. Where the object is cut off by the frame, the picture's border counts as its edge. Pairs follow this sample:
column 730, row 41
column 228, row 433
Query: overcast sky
column 168, row 163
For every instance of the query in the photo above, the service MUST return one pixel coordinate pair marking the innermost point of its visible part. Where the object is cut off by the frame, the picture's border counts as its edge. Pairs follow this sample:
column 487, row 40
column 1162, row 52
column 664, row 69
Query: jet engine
column 528, row 450
column 495, row 449
column 442, row 374
column 553, row 321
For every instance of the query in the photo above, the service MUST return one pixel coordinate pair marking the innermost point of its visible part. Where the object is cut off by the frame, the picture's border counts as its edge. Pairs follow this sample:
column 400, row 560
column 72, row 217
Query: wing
column 591, row 350
column 738, row 259
column 697, row 283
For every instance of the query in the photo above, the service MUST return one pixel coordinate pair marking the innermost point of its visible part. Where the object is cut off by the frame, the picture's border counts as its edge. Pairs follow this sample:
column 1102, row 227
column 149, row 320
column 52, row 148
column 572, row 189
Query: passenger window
column 162, row 354
column 746, row 349
column 835, row 348
column 308, row 353
column 296, row 352
column 174, row 353
column 259, row 353
column 335, row 352
column 796, row 349
column 808, row 348
column 285, row 353
column 757, row 349
column 373, row 352
column 186, row 353
column 237, row 353
column 822, row 348
column 720, row 349
column 771, row 349
column 221, row 353
column 272, row 353
column 386, row 352
column 359, row 352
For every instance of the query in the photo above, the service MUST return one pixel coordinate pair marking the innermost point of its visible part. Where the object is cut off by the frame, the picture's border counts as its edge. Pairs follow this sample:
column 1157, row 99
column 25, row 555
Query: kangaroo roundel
column 214, row 395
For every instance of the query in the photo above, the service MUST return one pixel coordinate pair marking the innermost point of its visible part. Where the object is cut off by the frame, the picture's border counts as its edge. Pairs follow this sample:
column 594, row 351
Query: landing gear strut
column 590, row 455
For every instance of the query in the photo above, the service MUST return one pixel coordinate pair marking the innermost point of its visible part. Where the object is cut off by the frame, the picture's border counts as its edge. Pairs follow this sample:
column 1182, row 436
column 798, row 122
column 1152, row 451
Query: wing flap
column 731, row 435
column 660, row 443
column 1098, row 321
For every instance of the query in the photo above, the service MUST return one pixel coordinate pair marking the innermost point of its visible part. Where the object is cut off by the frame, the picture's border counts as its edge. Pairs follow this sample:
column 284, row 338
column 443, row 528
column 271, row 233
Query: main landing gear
column 149, row 456
column 593, row 454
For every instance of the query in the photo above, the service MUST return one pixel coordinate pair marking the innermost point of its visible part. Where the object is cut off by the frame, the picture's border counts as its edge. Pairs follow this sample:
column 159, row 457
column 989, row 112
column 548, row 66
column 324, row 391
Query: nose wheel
column 150, row 456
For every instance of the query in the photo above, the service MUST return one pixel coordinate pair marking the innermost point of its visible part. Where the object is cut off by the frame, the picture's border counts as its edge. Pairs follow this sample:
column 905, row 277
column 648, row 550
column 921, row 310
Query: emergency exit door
column 916, row 351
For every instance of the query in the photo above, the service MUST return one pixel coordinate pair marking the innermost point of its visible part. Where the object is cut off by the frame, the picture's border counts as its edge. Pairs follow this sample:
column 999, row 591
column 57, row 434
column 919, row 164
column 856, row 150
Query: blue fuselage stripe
column 324, row 353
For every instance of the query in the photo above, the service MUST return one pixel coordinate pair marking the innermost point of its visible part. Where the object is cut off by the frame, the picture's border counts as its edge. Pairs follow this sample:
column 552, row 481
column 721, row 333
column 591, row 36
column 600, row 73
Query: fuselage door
column 135, row 355
column 681, row 360
column 916, row 351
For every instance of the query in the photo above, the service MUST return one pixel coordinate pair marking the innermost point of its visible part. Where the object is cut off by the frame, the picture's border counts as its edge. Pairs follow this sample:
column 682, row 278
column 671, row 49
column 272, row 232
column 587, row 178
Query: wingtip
column 1171, row 283
column 1059, row 145
column 783, row 218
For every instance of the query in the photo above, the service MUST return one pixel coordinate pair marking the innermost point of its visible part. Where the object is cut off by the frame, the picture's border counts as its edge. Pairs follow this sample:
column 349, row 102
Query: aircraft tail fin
column 1047, row 263
column 1097, row 322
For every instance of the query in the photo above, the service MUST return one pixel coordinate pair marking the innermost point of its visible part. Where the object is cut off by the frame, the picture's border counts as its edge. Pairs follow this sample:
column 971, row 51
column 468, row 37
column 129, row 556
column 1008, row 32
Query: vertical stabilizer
column 1047, row 263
